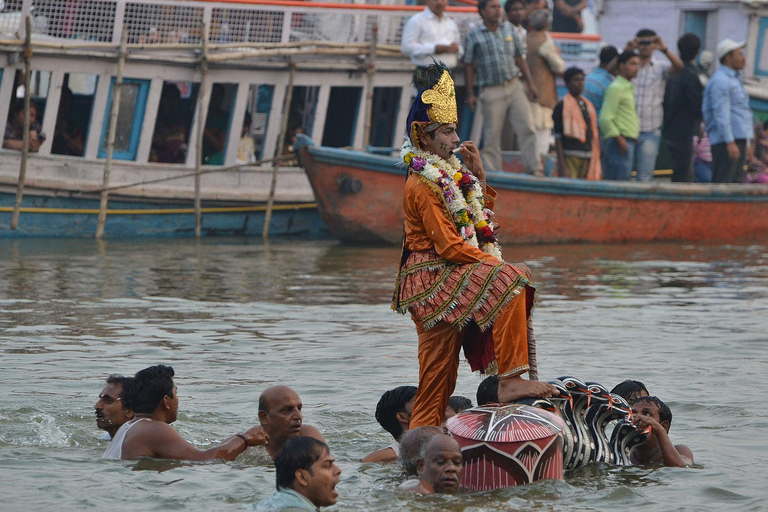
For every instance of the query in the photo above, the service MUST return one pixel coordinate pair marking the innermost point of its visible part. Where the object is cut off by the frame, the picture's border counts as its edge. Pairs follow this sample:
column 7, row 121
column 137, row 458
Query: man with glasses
column 393, row 412
column 649, row 84
column 111, row 411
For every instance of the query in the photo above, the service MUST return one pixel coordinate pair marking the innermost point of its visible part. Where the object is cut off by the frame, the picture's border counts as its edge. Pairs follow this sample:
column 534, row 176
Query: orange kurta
column 457, row 296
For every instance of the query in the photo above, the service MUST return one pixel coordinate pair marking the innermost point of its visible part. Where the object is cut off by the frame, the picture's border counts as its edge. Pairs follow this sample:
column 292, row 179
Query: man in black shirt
column 682, row 110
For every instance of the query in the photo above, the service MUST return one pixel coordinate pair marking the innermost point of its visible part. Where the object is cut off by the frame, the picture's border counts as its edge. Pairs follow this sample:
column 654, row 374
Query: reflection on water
column 234, row 315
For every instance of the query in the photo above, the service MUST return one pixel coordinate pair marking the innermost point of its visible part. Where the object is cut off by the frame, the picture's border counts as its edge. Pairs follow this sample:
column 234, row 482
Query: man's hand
column 733, row 151
column 658, row 44
column 34, row 141
column 256, row 436
column 622, row 142
column 447, row 48
column 631, row 45
column 472, row 102
column 642, row 422
column 471, row 156
column 533, row 93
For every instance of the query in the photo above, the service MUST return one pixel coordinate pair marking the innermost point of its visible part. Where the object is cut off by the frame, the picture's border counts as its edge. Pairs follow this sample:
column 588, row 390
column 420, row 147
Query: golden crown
column 442, row 101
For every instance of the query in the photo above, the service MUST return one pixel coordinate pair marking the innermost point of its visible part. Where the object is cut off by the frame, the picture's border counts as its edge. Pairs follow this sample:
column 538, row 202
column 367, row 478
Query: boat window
column 761, row 53
column 259, row 105
column 340, row 120
column 218, row 123
column 133, row 99
column 14, row 127
column 301, row 116
column 386, row 105
column 74, row 114
column 170, row 139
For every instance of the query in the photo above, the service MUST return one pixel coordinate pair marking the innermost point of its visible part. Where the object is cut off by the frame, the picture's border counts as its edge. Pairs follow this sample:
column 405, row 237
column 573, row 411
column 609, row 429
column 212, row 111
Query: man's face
column 442, row 141
column 492, row 12
column 441, row 466
column 109, row 408
column 516, row 13
column 173, row 411
column 736, row 60
column 629, row 69
column 283, row 417
column 322, row 479
column 646, row 408
column 437, row 6
column 645, row 45
column 576, row 84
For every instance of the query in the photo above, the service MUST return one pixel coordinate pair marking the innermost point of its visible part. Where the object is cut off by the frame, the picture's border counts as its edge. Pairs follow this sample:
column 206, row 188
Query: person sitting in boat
column 440, row 467
column 410, row 447
column 650, row 411
column 68, row 139
column 306, row 476
column 630, row 390
column 393, row 412
column 281, row 418
column 14, row 130
column 111, row 410
column 152, row 396
column 452, row 278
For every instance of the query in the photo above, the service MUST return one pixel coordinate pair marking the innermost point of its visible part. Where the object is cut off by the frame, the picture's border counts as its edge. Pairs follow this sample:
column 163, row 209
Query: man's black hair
column 123, row 382
column 459, row 403
column 148, row 387
column 629, row 388
column 688, row 45
column 481, row 4
column 665, row 413
column 509, row 3
column 625, row 56
column 645, row 32
column 572, row 72
column 298, row 453
column 607, row 54
column 488, row 391
column 391, row 403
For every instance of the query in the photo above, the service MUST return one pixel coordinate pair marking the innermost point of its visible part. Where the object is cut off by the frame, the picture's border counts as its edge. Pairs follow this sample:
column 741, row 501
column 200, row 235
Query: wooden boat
column 331, row 70
column 359, row 196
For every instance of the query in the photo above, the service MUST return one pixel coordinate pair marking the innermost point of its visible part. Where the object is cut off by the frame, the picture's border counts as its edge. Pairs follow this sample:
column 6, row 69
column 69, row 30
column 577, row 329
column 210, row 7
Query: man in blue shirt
column 595, row 84
column 727, row 114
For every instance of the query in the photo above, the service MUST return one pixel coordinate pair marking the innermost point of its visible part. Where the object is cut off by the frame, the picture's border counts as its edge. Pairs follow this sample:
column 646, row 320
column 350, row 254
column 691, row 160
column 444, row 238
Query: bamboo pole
column 201, row 115
column 111, row 134
column 370, row 73
column 25, row 134
column 280, row 144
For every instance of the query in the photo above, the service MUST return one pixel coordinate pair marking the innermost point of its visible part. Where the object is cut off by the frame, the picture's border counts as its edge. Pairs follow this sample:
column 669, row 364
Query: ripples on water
column 234, row 316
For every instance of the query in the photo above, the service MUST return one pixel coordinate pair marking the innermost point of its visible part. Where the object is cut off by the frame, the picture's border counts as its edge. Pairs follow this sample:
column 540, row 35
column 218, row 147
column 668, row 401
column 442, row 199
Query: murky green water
column 233, row 316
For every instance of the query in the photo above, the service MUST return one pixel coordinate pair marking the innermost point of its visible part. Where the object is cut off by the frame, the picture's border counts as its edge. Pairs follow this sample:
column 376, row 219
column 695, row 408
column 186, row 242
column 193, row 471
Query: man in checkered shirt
column 649, row 94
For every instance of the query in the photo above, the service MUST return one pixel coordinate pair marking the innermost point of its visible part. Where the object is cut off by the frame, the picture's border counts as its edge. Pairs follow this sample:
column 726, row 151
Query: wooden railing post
column 201, row 118
column 27, row 54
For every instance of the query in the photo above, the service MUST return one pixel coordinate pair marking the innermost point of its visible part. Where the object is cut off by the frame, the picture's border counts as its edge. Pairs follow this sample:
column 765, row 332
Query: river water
column 233, row 316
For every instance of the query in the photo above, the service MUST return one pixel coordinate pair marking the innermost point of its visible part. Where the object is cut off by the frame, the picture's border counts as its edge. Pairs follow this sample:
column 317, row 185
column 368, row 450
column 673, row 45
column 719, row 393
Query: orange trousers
column 439, row 349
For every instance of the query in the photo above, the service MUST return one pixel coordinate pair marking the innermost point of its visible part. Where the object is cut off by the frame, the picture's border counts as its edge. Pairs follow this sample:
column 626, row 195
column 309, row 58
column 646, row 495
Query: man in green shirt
column 619, row 123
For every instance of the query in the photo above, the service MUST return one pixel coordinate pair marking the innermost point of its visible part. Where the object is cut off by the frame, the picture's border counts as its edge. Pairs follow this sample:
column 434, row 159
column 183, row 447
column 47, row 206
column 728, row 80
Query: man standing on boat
column 431, row 35
column 452, row 278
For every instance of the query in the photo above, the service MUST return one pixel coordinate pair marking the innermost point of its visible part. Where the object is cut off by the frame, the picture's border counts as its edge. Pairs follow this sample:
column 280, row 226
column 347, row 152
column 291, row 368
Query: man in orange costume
column 452, row 278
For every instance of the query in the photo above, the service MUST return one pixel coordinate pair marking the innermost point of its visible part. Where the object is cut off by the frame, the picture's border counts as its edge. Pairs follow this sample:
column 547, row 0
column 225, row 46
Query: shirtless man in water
column 440, row 467
column 153, row 397
column 281, row 418
column 650, row 411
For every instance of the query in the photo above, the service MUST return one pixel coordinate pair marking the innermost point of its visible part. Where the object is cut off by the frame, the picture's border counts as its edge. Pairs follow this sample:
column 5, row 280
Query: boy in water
column 630, row 390
column 650, row 411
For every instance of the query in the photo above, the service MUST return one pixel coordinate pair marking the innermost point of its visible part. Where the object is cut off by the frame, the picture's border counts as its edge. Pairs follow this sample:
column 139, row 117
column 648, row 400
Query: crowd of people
column 609, row 124
column 136, row 414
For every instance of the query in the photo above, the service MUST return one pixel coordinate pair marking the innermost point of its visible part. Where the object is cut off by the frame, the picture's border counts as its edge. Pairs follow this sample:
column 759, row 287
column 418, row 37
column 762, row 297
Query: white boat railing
column 159, row 22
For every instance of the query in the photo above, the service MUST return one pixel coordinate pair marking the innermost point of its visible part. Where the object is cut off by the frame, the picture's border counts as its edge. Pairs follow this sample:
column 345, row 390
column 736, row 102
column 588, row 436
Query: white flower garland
column 458, row 201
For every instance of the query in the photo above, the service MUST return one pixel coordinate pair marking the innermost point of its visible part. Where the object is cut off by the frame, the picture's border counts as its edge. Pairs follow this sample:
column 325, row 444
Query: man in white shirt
column 430, row 34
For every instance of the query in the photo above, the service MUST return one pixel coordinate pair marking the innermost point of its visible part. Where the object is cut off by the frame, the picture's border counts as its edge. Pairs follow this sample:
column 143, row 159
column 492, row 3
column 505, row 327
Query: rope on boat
column 162, row 211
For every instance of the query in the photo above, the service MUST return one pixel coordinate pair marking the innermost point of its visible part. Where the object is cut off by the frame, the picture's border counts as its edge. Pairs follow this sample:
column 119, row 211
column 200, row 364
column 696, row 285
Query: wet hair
column 509, row 3
column 298, row 453
column 645, row 32
column 148, row 387
column 629, row 389
column 665, row 413
column 410, row 447
column 123, row 383
column 688, row 45
column 391, row 403
column 459, row 403
column 488, row 391
column 539, row 19
column 625, row 56
column 572, row 72
column 607, row 54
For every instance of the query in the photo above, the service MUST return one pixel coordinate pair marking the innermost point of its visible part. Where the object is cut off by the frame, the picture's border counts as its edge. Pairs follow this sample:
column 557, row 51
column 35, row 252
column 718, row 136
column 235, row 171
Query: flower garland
column 463, row 195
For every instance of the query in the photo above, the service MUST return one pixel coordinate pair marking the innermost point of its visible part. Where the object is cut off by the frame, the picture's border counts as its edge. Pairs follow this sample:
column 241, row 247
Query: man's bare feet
column 515, row 388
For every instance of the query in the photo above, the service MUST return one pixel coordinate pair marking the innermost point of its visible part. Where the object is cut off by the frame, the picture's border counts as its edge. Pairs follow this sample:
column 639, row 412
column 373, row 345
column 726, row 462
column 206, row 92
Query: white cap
column 726, row 46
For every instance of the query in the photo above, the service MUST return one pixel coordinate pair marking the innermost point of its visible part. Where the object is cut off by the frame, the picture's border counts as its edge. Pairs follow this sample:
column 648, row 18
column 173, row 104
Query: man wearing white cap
column 727, row 114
